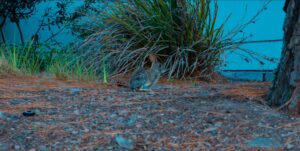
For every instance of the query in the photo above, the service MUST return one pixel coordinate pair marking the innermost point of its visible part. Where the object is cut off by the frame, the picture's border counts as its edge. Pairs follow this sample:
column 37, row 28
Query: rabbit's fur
column 143, row 79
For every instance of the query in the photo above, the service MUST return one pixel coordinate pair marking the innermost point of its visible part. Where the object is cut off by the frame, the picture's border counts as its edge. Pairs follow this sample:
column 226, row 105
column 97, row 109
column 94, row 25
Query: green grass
column 23, row 59
column 63, row 67
column 6, row 68
column 57, row 62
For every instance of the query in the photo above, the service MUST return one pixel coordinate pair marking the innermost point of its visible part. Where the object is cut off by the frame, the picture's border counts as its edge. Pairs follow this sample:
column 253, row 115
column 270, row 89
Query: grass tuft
column 22, row 59
column 183, row 33
column 63, row 67
column 27, row 60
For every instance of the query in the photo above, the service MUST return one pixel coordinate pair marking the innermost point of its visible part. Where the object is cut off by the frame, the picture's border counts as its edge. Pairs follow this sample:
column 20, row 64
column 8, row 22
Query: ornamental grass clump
column 182, row 33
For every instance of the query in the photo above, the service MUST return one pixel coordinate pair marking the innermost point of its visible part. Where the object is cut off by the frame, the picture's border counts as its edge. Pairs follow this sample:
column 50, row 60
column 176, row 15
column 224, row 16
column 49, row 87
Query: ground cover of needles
column 176, row 115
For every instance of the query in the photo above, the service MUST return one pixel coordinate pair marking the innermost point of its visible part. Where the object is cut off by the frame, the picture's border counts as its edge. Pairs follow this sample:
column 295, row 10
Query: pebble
column 120, row 120
column 3, row 146
column 74, row 91
column 109, row 98
column 290, row 146
column 261, row 142
column 132, row 120
column 109, row 148
column 74, row 132
column 17, row 147
column 37, row 111
column 18, row 101
column 9, row 117
column 124, row 142
column 2, row 115
column 2, row 127
column 113, row 115
column 43, row 148
column 76, row 112
column 86, row 130
column 123, row 112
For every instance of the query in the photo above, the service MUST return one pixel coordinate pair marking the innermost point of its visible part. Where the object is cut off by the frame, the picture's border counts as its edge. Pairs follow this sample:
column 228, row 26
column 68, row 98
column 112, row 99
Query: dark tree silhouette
column 1, row 27
column 16, row 10
column 285, row 91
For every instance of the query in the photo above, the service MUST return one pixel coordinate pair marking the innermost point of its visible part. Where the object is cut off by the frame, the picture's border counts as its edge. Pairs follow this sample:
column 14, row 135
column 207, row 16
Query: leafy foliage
column 16, row 10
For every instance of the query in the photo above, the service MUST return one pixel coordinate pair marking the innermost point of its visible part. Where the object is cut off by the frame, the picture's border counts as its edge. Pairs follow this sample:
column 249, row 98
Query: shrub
column 182, row 33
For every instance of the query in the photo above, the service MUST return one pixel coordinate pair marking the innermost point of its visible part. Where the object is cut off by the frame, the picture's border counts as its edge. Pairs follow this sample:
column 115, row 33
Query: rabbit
column 143, row 79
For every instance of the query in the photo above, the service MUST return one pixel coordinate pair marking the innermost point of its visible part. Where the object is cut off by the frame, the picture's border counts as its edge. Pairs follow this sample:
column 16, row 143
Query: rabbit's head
column 152, row 58
column 156, row 66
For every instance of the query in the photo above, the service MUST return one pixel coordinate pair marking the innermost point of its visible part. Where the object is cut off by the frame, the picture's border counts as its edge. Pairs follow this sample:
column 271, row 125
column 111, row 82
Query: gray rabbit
column 143, row 79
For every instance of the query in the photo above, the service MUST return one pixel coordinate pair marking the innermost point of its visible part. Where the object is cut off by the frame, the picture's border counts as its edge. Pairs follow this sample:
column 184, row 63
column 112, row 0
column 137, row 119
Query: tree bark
column 285, row 90
column 2, row 36
column 1, row 29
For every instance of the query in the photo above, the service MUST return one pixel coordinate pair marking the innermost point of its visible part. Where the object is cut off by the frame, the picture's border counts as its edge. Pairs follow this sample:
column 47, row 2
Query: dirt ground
column 176, row 115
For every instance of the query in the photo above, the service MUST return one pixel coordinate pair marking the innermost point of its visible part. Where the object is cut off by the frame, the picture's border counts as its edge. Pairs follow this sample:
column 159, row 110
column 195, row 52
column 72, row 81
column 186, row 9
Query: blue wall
column 268, row 26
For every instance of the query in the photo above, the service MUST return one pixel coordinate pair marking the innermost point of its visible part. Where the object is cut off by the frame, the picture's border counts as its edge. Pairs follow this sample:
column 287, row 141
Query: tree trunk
column 2, row 36
column 20, row 32
column 1, row 29
column 285, row 90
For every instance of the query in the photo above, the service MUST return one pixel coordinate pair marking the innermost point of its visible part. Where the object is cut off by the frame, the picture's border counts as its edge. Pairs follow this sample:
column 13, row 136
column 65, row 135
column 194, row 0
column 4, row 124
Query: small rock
column 132, row 121
column 138, row 125
column 125, row 143
column 9, row 117
column 17, row 147
column 109, row 98
column 218, row 124
column 123, row 112
column 120, row 121
column 29, row 113
column 261, row 142
column 163, row 87
column 28, row 137
column 2, row 116
column 113, row 115
column 151, row 93
column 2, row 128
column 76, row 112
column 290, row 146
column 210, row 129
column 18, row 101
column 74, row 91
column 4, row 146
column 86, row 130
column 74, row 132
column 109, row 148
column 43, row 148
column 37, row 111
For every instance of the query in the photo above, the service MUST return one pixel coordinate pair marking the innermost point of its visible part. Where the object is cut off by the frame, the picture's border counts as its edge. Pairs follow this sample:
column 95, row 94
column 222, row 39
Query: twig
column 257, row 41
column 284, row 105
